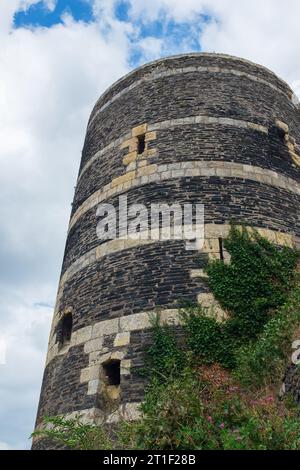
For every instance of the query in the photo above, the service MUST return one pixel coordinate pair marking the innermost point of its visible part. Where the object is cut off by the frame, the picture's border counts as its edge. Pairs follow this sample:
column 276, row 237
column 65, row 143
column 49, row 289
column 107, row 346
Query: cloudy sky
column 56, row 58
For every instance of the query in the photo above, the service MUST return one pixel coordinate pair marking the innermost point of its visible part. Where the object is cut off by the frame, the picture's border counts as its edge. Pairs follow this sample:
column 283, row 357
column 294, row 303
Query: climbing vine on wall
column 255, row 282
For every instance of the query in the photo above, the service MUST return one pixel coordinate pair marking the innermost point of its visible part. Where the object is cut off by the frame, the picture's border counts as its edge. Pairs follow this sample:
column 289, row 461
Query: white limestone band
column 155, row 173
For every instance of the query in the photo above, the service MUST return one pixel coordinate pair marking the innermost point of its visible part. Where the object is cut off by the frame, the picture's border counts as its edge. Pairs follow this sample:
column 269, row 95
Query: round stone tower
column 194, row 128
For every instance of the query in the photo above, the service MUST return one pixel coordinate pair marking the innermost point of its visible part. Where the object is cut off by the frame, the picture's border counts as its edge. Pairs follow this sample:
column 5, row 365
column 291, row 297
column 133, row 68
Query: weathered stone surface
column 251, row 201
column 139, row 130
column 123, row 179
column 125, row 367
column 122, row 339
column 129, row 158
column 84, row 335
column 131, row 411
column 213, row 308
column 93, row 345
column 135, row 322
column 231, row 141
column 291, row 382
column 89, row 373
column 93, row 387
column 105, row 328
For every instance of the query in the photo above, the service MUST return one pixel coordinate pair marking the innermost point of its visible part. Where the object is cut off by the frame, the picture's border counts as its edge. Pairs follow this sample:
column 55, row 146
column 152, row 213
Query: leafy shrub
column 256, row 281
column 263, row 361
column 191, row 412
column 207, row 338
column 73, row 434
column 169, row 411
column 201, row 409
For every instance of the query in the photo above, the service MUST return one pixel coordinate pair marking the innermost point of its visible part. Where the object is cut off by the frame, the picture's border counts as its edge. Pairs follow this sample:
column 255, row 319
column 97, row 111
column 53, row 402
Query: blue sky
column 57, row 57
column 162, row 28
column 81, row 10
column 40, row 15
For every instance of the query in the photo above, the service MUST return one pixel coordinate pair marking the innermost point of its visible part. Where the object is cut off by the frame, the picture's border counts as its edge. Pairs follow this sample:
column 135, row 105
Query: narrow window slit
column 66, row 329
column 141, row 144
column 221, row 249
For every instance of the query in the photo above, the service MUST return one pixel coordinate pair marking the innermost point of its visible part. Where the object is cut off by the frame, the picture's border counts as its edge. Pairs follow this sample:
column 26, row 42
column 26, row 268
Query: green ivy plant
column 163, row 357
column 207, row 338
column 255, row 282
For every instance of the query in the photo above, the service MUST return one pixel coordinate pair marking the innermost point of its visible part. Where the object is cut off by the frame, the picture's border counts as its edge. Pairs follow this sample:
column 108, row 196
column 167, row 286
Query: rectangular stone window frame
column 112, row 372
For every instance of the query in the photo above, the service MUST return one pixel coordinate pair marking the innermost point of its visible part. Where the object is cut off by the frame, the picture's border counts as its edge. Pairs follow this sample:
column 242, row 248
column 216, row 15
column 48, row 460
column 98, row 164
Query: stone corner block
column 209, row 303
column 122, row 339
column 134, row 322
column 130, row 158
column 139, row 130
column 282, row 126
column 93, row 345
column 83, row 335
column 117, row 355
column 106, row 327
column 89, row 373
column 93, row 386
column 114, row 417
column 150, row 136
column 198, row 273
column 170, row 317
column 125, row 367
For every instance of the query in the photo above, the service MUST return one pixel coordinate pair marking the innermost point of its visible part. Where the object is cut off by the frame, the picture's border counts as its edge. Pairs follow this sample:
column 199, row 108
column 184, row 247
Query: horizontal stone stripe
column 139, row 321
column 223, row 199
column 125, row 411
column 92, row 256
column 128, row 323
column 212, row 232
column 201, row 119
column 187, row 121
column 200, row 69
column 198, row 56
column 156, row 173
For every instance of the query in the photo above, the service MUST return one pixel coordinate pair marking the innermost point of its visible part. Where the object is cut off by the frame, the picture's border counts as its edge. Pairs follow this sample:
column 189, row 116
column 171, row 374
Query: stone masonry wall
column 219, row 131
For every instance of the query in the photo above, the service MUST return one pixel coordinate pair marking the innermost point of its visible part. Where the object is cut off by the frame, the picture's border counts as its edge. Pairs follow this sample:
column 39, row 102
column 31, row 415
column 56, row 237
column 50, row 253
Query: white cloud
column 266, row 31
column 49, row 81
column 150, row 48
column 4, row 446
column 25, row 329
column 176, row 9
column 50, row 4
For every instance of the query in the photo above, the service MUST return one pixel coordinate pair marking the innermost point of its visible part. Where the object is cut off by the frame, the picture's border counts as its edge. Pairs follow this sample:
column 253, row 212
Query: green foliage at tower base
column 219, row 391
